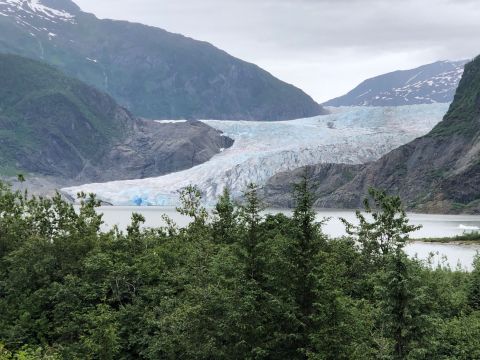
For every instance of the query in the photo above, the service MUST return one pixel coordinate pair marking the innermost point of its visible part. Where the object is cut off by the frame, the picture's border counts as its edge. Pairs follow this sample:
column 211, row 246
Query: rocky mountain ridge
column 427, row 84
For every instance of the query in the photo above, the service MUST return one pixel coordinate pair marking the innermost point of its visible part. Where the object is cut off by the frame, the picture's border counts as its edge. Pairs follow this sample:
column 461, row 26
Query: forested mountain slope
column 53, row 125
column 154, row 73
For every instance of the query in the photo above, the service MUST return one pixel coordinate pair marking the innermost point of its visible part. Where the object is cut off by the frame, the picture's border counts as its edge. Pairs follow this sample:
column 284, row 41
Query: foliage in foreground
column 236, row 284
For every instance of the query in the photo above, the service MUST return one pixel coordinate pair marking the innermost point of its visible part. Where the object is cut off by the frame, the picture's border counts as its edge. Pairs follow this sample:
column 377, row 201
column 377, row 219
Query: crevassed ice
column 349, row 135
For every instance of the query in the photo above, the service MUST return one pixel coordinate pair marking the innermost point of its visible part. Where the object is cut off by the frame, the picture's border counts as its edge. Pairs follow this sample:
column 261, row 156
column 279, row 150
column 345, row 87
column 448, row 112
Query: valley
column 97, row 89
column 168, row 190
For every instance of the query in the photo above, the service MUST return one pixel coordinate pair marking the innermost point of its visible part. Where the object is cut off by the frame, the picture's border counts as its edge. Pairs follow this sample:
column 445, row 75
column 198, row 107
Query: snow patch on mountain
column 25, row 10
column 350, row 135
column 439, row 84
column 427, row 84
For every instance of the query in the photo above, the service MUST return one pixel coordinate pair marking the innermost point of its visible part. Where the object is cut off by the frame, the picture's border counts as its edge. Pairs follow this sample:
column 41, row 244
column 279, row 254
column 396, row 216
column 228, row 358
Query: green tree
column 28, row 353
column 388, row 230
column 101, row 338
column 308, row 244
column 225, row 222
column 342, row 326
column 239, row 284
column 474, row 285
column 400, row 296
column 191, row 205
column 404, row 306
column 457, row 338
column 250, row 216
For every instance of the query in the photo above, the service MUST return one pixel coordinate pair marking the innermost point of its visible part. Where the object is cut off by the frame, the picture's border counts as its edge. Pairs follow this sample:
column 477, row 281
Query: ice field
column 350, row 135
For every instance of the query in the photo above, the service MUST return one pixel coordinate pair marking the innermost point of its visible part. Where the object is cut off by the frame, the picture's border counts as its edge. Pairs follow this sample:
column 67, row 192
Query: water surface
column 432, row 226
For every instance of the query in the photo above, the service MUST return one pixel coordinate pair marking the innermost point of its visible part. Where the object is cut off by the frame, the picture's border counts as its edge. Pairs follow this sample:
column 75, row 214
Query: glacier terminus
column 350, row 135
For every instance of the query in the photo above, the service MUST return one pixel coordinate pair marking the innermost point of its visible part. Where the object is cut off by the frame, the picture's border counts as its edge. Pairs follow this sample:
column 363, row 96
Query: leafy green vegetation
column 234, row 284
column 473, row 236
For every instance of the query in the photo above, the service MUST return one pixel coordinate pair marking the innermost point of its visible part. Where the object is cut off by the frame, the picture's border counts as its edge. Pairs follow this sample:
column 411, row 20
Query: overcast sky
column 325, row 47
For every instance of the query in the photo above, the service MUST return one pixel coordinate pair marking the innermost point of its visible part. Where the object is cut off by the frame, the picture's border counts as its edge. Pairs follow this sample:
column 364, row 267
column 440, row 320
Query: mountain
column 58, row 127
column 438, row 172
column 153, row 73
column 432, row 83
column 153, row 149
column 51, row 123
column 351, row 135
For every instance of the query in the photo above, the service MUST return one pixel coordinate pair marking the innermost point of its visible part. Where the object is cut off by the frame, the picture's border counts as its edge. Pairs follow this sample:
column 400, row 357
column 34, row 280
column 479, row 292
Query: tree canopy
column 236, row 283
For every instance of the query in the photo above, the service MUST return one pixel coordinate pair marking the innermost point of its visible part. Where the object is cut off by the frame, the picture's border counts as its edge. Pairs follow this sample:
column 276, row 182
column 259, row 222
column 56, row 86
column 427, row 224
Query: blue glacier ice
column 350, row 135
column 137, row 200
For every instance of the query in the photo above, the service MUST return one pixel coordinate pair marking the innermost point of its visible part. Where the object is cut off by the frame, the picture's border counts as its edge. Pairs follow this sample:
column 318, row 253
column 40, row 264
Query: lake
column 433, row 226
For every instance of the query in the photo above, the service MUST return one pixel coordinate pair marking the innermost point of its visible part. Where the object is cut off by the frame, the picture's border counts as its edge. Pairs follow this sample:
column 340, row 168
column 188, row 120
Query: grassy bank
column 465, row 238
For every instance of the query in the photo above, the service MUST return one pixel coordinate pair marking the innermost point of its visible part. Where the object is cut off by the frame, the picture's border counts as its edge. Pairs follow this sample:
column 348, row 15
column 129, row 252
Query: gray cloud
column 323, row 46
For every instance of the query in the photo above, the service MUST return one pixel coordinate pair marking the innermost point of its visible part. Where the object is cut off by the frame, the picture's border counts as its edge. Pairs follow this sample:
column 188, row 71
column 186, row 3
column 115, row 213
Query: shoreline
column 465, row 239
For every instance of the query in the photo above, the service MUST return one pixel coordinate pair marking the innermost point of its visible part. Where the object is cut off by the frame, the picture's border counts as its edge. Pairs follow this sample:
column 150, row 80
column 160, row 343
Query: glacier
column 350, row 135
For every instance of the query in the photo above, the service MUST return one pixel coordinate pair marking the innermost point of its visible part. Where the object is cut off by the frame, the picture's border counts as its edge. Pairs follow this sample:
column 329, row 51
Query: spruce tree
column 251, row 220
column 225, row 219
column 404, row 307
column 307, row 246
column 474, row 285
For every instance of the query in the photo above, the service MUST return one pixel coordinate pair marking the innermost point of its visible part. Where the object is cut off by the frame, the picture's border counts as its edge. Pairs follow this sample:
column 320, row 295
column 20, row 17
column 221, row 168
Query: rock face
column 56, row 127
column 426, row 84
column 153, row 73
column 154, row 149
column 439, row 172
column 325, row 177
